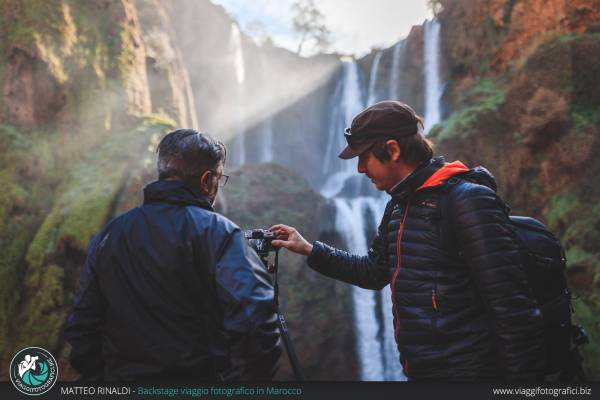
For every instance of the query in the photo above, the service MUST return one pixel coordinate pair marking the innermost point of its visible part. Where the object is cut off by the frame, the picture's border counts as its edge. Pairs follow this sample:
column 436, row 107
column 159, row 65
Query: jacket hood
column 457, row 169
column 436, row 172
column 175, row 192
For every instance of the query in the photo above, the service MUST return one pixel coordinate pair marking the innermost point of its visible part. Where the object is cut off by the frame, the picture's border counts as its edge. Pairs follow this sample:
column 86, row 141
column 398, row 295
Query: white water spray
column 266, row 134
column 237, row 54
column 372, row 92
column 433, row 87
column 397, row 54
column 347, row 102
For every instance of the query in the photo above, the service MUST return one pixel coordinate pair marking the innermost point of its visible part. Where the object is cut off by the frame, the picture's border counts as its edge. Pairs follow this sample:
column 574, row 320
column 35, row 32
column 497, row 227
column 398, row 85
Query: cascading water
column 433, row 87
column 266, row 148
column 397, row 54
column 372, row 92
column 235, row 46
column 347, row 101
column 354, row 215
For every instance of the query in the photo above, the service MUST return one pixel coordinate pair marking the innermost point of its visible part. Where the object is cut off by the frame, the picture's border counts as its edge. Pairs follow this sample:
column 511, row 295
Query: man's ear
column 204, row 181
column 393, row 149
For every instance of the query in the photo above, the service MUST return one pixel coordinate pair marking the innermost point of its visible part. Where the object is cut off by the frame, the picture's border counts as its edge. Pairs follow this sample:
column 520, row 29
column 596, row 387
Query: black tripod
column 273, row 268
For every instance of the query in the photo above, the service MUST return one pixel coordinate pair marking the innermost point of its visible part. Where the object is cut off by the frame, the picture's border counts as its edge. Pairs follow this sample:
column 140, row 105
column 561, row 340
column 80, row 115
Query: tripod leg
column 289, row 348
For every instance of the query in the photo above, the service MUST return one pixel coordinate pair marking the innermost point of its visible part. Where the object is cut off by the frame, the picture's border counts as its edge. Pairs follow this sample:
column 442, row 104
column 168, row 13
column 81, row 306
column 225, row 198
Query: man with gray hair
column 170, row 290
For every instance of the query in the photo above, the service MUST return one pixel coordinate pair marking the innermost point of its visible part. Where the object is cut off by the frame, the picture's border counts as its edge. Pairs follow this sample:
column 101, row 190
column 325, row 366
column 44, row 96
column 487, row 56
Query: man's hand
column 289, row 238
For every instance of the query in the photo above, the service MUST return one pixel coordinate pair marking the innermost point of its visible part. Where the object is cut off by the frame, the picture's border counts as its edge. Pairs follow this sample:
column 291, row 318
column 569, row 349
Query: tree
column 309, row 23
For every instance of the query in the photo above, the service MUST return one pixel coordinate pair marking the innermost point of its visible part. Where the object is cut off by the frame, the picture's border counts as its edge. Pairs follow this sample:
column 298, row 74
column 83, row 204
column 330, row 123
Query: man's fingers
column 281, row 227
column 279, row 244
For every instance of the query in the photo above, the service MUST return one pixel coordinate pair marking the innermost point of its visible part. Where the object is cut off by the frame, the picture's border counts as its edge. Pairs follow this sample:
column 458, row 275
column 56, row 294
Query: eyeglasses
column 223, row 178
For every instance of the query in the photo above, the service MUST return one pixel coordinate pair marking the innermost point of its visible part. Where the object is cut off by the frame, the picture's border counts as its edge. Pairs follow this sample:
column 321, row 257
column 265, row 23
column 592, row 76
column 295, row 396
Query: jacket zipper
column 434, row 303
column 393, row 283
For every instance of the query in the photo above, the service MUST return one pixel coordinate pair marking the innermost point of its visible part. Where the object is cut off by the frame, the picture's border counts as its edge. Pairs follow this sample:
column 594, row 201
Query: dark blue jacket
column 462, row 307
column 171, row 290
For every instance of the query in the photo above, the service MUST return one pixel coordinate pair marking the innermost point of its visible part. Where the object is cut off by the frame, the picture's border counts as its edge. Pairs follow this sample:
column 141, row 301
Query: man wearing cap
column 461, row 304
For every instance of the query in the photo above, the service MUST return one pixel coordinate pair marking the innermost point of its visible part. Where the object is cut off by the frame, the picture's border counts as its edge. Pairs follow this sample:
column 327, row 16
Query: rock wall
column 88, row 88
column 75, row 106
column 520, row 88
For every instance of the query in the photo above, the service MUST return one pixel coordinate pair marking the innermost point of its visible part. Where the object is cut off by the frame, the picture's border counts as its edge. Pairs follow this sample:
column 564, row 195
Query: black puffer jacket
column 171, row 291
column 462, row 307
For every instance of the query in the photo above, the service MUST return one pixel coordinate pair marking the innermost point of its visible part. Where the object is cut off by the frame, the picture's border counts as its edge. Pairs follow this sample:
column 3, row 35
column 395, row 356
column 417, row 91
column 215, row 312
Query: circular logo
column 33, row 371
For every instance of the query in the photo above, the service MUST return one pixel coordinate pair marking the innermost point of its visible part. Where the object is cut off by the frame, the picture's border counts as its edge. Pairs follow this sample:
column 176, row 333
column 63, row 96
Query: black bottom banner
column 310, row 390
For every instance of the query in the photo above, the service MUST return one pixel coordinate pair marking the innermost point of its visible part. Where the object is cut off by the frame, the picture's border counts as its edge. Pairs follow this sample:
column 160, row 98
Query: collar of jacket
column 175, row 192
column 429, row 174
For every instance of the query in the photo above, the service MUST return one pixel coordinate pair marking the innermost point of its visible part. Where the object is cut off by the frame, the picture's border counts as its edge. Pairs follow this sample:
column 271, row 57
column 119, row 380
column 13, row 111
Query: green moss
column 45, row 312
column 22, row 23
column 86, row 203
column 88, row 195
column 560, row 39
column 481, row 101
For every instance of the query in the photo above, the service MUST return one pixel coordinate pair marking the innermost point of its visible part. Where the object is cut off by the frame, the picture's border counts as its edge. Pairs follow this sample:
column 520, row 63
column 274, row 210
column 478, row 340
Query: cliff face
column 399, row 74
column 88, row 88
column 244, row 89
column 168, row 77
column 521, row 77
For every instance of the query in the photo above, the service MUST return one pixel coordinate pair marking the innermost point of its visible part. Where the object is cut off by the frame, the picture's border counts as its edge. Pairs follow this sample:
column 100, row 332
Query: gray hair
column 186, row 153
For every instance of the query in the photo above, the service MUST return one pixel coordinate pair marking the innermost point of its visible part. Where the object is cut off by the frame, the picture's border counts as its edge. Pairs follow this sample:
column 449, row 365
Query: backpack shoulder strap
column 447, row 213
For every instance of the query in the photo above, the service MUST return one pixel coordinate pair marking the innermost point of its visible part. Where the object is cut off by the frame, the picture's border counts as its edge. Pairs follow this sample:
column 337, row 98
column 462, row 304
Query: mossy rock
column 58, row 249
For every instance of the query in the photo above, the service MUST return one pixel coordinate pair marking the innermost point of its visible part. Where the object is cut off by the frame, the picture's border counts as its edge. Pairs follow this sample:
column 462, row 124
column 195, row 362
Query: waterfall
column 397, row 53
column 372, row 92
column 347, row 101
column 237, row 54
column 266, row 134
column 266, row 149
column 354, row 216
column 433, row 87
column 350, row 222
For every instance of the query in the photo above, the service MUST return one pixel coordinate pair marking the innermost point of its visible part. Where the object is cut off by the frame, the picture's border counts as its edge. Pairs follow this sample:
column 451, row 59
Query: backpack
column 545, row 264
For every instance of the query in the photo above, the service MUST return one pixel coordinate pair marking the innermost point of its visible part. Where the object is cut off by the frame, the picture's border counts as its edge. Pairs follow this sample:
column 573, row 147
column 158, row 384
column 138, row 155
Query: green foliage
column 576, row 223
column 33, row 18
column 565, row 217
column 585, row 118
column 589, row 318
column 482, row 100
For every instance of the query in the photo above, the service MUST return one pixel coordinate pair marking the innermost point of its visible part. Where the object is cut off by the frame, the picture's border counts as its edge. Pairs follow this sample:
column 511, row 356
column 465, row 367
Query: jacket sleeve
column 492, row 255
column 368, row 272
column 84, row 325
column 246, row 296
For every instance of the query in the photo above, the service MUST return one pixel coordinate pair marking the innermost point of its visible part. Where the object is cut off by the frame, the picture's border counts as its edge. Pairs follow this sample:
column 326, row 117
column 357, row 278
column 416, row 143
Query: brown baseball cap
column 384, row 120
